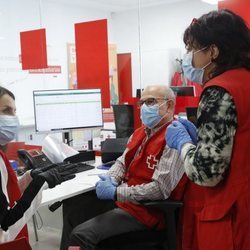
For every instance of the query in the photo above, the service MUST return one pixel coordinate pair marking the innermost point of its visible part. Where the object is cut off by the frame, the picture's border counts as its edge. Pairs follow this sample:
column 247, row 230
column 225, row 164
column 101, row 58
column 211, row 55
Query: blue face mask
column 150, row 115
column 8, row 128
column 190, row 72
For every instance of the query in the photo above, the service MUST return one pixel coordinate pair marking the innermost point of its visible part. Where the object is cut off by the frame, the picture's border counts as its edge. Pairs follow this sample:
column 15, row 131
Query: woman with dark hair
column 19, row 198
column 4, row 91
column 216, row 155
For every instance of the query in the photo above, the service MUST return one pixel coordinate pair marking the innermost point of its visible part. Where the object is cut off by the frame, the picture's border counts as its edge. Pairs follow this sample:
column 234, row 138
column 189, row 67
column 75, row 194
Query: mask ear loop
column 198, row 52
column 206, row 65
column 170, row 119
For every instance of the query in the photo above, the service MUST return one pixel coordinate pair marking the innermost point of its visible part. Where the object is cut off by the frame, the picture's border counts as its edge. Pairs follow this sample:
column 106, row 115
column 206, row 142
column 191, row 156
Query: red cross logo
column 152, row 162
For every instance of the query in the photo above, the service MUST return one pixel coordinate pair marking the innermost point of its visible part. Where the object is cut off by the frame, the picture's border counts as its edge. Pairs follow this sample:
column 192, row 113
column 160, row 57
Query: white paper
column 56, row 150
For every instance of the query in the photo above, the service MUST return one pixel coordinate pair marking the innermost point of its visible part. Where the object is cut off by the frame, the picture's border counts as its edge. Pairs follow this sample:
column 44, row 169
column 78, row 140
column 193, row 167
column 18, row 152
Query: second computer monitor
column 124, row 120
column 183, row 90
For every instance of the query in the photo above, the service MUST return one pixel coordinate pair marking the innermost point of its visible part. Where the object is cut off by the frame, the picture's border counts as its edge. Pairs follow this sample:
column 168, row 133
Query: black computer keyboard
column 82, row 166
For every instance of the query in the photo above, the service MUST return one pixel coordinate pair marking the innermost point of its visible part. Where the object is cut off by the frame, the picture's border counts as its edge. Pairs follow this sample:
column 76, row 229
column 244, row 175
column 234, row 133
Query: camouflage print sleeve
column 207, row 163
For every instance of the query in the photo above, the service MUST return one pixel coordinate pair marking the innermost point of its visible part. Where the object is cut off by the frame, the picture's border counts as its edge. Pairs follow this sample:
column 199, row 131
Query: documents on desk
column 56, row 150
column 85, row 181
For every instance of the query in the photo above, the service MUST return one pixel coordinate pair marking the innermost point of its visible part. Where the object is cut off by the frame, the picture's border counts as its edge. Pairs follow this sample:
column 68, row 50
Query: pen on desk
column 108, row 163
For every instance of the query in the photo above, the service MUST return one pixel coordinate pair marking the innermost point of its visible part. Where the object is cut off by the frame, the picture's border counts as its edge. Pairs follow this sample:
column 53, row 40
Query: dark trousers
column 116, row 221
column 79, row 209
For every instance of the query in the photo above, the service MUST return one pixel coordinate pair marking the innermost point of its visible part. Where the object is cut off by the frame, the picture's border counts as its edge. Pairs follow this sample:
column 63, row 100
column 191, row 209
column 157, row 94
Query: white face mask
column 8, row 128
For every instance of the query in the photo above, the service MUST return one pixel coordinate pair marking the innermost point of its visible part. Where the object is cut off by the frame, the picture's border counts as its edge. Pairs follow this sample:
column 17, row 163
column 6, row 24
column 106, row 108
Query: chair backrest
column 124, row 120
column 113, row 148
column 18, row 244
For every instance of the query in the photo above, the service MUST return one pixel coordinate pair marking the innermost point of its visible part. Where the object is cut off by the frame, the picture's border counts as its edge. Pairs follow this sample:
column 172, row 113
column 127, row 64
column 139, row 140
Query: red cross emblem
column 152, row 162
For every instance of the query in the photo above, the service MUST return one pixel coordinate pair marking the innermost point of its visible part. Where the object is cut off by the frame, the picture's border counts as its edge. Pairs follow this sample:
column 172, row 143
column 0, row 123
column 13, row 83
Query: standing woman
column 19, row 199
column 218, row 46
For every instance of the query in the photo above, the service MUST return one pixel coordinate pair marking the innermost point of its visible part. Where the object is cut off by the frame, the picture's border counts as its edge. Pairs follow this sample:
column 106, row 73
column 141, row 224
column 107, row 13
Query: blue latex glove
column 177, row 136
column 106, row 188
column 104, row 177
column 191, row 129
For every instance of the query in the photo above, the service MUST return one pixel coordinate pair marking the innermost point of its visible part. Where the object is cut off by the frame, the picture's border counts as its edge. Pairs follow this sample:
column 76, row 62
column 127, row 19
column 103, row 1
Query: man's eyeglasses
column 150, row 101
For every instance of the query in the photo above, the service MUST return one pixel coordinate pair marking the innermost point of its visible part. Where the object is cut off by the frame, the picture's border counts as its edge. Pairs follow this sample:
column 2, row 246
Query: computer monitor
column 183, row 90
column 124, row 120
column 65, row 109
column 138, row 93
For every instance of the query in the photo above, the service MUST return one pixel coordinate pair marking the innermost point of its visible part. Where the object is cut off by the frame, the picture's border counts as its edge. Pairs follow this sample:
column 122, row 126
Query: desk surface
column 83, row 182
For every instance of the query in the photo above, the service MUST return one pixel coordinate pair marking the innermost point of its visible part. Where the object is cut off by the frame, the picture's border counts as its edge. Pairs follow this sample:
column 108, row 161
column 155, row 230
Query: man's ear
column 170, row 105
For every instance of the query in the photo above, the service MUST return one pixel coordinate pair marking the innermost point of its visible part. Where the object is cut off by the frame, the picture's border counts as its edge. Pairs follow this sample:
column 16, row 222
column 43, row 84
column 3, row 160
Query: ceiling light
column 212, row 1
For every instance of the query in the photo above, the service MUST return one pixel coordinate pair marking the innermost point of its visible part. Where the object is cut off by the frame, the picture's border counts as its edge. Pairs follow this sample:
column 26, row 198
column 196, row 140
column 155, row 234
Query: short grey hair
column 170, row 94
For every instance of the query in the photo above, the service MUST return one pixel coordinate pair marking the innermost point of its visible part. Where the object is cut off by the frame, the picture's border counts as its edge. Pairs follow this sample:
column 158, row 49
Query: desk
column 83, row 182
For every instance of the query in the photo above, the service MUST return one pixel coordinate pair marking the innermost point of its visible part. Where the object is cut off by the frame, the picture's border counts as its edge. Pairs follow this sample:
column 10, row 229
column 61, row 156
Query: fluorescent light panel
column 212, row 1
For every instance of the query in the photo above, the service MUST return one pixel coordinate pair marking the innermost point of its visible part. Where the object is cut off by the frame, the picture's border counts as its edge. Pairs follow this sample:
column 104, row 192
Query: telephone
column 33, row 158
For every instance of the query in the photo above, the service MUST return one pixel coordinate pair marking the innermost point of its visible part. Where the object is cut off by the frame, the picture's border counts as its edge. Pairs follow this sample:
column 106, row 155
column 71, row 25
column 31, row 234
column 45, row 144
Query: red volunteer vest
column 13, row 191
column 140, row 170
column 220, row 216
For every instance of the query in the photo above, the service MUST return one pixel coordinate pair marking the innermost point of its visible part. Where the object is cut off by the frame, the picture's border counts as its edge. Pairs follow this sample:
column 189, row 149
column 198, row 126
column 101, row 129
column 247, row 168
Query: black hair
column 228, row 32
column 4, row 91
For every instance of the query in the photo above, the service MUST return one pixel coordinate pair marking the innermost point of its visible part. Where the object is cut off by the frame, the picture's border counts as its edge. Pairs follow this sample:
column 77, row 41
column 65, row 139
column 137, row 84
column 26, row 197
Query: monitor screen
column 138, row 93
column 57, row 110
column 124, row 120
column 183, row 90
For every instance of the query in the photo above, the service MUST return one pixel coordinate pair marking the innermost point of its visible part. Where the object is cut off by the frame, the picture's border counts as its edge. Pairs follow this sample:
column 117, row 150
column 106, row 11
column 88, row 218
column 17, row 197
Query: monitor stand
column 90, row 144
column 67, row 137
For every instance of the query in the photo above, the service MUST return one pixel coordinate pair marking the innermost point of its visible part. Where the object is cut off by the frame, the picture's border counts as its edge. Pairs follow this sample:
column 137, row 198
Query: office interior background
column 143, row 36
column 149, row 32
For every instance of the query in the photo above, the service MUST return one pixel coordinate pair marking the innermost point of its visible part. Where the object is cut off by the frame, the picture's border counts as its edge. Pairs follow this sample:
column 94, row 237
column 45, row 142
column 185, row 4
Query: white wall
column 153, row 52
column 162, row 28
column 59, row 22
column 16, row 16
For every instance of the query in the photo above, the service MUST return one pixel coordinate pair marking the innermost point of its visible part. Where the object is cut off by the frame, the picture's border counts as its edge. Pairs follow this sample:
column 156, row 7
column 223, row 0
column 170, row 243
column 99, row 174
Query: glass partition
column 144, row 37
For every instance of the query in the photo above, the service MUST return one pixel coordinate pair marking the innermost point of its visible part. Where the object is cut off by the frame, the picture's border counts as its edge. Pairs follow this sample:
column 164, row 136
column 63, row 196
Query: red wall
column 240, row 7
column 124, row 76
column 92, row 64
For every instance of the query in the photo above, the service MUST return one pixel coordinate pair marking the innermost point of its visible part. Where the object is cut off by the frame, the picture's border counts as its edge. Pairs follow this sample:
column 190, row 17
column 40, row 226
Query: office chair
column 162, row 240
column 20, row 244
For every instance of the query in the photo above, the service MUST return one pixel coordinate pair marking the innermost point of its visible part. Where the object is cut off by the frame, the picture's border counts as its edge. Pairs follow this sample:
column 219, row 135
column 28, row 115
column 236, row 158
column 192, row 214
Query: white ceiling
column 116, row 5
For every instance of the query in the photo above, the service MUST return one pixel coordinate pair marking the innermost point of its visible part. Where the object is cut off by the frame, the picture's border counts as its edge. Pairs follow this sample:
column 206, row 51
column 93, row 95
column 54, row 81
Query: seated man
column 147, row 170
